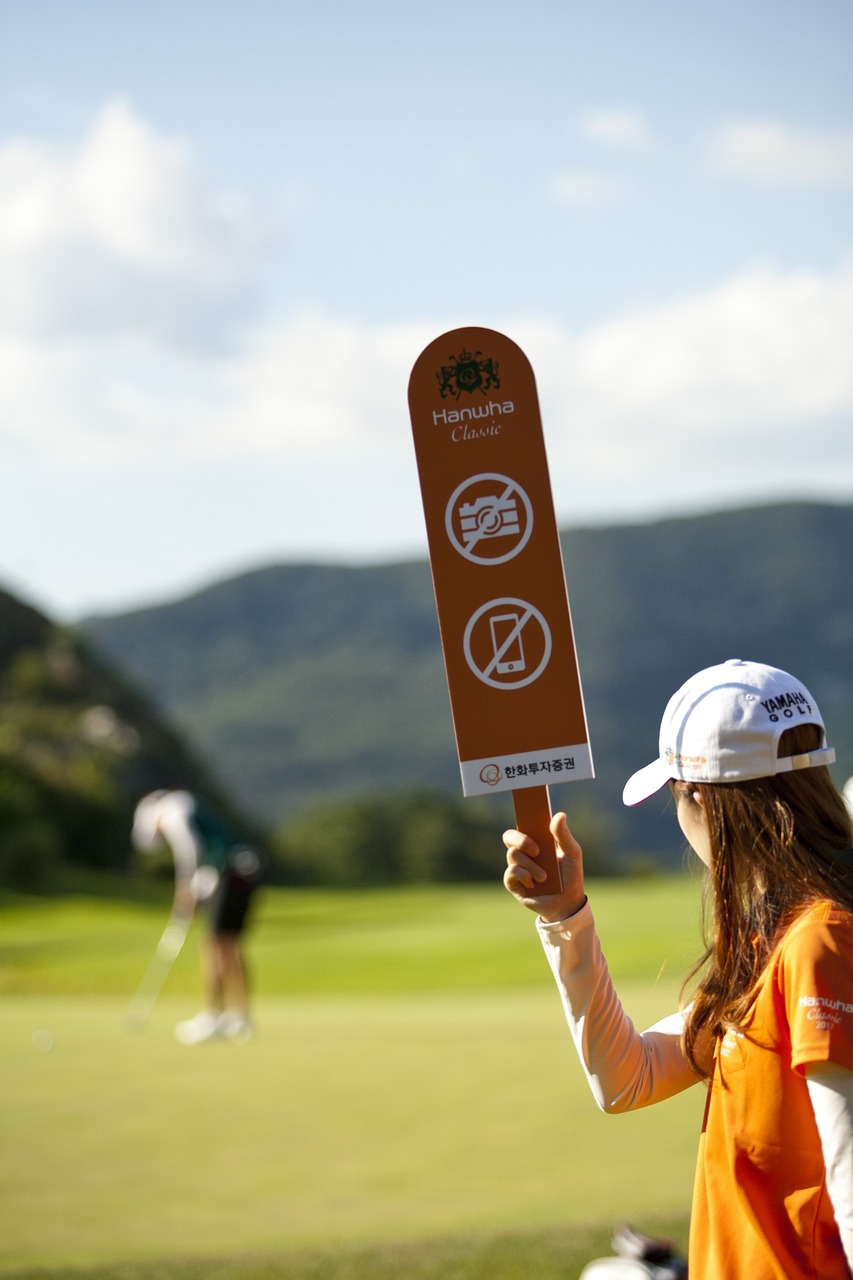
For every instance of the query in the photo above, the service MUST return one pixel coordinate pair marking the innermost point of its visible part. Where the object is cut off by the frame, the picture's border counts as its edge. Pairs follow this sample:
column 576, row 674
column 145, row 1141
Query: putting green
column 427, row 1089
column 354, row 1120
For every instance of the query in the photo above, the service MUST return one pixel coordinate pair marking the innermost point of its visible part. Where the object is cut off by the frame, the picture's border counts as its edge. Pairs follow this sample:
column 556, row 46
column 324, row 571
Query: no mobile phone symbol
column 507, row 643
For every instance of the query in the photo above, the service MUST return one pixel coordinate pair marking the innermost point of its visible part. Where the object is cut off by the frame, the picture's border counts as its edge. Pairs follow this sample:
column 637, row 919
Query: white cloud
column 299, row 388
column 758, row 364
column 741, row 392
column 121, row 233
column 315, row 382
column 769, row 154
column 765, row 347
column 618, row 131
column 584, row 189
column 102, row 247
column 617, row 128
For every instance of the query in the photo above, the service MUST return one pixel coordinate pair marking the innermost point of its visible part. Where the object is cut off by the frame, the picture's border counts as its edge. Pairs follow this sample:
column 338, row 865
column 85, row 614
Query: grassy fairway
column 412, row 1081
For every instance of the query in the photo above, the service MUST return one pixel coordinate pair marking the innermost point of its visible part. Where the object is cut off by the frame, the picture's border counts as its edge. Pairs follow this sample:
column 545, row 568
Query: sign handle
column 533, row 816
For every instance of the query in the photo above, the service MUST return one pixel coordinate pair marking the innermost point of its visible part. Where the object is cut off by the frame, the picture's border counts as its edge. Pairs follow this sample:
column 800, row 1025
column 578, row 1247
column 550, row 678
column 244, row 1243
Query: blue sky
column 228, row 229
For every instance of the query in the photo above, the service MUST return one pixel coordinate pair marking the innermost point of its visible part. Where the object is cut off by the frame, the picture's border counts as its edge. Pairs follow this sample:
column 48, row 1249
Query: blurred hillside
column 78, row 746
column 308, row 683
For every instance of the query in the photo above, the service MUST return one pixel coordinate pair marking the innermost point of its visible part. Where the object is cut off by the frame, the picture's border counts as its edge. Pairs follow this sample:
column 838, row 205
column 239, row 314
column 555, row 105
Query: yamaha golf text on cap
column 724, row 725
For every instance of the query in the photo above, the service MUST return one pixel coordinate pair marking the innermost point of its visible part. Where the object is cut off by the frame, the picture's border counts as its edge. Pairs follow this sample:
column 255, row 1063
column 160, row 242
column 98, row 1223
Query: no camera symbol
column 489, row 518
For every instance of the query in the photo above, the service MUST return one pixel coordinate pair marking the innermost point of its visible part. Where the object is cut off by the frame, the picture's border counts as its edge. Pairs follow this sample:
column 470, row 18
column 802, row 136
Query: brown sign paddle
column 497, row 571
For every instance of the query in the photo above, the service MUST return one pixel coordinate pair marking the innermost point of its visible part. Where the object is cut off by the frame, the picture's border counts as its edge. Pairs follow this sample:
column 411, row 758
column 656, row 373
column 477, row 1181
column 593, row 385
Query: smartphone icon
column 506, row 642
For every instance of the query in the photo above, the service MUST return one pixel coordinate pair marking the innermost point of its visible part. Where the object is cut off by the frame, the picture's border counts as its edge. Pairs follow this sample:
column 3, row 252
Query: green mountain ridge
column 78, row 745
column 302, row 684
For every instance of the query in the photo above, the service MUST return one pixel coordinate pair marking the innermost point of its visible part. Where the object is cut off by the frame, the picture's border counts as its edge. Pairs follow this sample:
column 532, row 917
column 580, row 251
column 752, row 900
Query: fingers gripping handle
column 533, row 818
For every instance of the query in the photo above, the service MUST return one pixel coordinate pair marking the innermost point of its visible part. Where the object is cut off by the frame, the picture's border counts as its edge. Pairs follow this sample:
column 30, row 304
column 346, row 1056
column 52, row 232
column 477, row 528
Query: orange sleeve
column 816, row 982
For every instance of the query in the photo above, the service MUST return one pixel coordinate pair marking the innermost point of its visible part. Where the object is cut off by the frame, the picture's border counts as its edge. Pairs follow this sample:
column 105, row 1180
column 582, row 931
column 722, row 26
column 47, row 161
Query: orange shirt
column 760, row 1204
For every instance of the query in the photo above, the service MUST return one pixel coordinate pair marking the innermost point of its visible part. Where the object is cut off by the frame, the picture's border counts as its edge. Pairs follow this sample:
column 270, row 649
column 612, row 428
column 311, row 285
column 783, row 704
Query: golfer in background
column 213, row 866
column 769, row 1024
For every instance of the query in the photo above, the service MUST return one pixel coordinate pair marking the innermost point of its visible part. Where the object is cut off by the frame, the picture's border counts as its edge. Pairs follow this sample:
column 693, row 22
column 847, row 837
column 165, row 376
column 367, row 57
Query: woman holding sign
column 769, row 1025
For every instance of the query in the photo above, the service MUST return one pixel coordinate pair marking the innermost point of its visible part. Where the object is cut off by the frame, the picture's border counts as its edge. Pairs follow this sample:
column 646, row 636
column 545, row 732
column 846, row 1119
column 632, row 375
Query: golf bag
column 639, row 1257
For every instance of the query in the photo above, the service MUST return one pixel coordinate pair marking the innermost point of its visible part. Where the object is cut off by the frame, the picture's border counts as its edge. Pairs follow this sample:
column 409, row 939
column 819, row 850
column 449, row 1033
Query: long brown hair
column 777, row 845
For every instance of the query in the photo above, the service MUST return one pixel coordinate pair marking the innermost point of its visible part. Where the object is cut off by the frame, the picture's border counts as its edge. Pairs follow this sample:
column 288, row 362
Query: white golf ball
column 43, row 1041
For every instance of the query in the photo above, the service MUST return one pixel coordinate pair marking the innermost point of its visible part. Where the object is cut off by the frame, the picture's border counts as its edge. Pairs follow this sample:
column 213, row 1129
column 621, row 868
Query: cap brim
column 645, row 782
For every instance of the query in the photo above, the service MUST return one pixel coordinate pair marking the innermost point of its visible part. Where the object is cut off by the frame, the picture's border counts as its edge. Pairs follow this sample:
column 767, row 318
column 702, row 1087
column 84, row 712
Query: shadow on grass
column 545, row 1255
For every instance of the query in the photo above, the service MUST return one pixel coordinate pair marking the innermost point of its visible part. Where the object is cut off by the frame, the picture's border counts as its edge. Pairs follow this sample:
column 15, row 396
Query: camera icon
column 489, row 516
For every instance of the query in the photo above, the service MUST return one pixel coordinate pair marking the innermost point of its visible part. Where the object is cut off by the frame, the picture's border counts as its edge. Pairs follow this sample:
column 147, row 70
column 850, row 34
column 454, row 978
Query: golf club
column 159, row 967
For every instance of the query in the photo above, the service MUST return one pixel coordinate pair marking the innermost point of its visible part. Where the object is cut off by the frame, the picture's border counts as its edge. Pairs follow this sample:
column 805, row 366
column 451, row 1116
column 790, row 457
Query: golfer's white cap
column 145, row 835
column 724, row 724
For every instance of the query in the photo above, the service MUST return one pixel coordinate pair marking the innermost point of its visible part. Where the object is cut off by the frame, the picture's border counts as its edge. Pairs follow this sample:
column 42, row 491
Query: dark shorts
column 229, row 906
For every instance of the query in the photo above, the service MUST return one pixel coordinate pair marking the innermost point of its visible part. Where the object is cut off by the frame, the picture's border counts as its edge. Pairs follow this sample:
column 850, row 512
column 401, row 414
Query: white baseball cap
column 145, row 835
column 723, row 725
